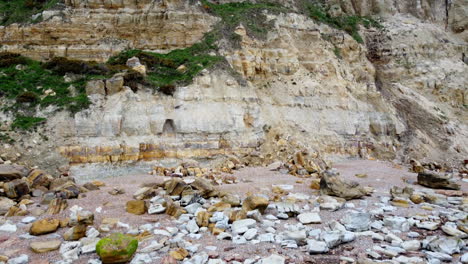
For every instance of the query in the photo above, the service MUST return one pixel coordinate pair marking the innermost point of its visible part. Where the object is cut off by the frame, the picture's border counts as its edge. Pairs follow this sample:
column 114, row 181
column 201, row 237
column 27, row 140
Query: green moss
column 350, row 24
column 26, row 122
column 117, row 246
column 21, row 11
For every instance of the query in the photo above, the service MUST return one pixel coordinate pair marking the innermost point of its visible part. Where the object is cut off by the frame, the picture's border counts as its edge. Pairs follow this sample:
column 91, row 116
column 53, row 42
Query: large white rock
column 273, row 259
column 316, row 247
column 309, row 218
column 241, row 226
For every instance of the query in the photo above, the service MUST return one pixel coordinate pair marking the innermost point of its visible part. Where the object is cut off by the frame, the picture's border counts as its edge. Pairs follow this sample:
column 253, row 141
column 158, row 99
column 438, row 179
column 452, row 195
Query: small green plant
column 337, row 52
column 27, row 122
column 21, row 11
column 6, row 138
column 350, row 24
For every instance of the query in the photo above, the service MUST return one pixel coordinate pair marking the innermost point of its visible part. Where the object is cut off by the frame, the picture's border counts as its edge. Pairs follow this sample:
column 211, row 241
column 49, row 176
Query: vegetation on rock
column 29, row 84
column 21, row 11
column 116, row 248
column 164, row 70
column 350, row 24
column 250, row 15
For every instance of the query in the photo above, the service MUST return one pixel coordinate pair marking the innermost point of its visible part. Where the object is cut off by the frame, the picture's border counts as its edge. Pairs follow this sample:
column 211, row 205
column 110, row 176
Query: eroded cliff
column 401, row 93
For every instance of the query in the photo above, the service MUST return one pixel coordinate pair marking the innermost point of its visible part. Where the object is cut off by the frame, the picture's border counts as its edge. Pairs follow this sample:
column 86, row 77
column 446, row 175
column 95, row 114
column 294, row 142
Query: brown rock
column 64, row 222
column 416, row 166
column 203, row 218
column 137, row 207
column 69, row 190
column 90, row 186
column 11, row 172
column 38, row 178
column 204, row 187
column 179, row 253
column 82, row 217
column 16, row 188
column 218, row 207
column 45, row 246
column 235, row 215
column 114, row 85
column 253, row 202
column 99, row 183
column 57, row 182
column 174, row 209
column 315, row 184
column 332, row 184
column 44, row 226
column 75, row 233
column 95, row 87
column 175, row 186
column 417, row 198
column 231, row 199
column 144, row 193
column 57, row 205
column 437, row 181
column 16, row 211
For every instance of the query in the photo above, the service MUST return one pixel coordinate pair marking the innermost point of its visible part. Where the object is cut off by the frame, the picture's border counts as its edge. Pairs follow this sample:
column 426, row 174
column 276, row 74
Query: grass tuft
column 349, row 24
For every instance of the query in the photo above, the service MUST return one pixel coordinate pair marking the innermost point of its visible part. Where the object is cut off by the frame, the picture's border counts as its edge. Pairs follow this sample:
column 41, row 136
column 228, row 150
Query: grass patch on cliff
column 27, row 122
column 178, row 67
column 30, row 84
column 250, row 15
column 21, row 11
column 349, row 24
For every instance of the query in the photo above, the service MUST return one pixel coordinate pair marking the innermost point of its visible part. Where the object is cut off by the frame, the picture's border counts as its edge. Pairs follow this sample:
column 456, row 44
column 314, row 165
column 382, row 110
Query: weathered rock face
column 95, row 30
column 403, row 92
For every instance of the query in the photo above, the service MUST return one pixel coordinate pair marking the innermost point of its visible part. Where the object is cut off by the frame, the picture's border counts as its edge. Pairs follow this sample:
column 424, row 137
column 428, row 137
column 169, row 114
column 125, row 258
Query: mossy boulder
column 116, row 248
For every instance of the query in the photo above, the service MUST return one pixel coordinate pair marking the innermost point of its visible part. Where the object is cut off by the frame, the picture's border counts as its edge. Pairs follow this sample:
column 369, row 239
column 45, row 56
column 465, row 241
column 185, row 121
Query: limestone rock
column 114, row 85
column 95, row 87
column 45, row 246
column 5, row 205
column 16, row 188
column 357, row 221
column 38, row 178
column 309, row 218
column 255, row 202
column 316, row 247
column 137, row 207
column 10, row 172
column 75, row 233
column 179, row 253
column 80, row 216
column 203, row 218
column 116, row 248
column 437, row 181
column 57, row 205
column 332, row 184
column 44, row 226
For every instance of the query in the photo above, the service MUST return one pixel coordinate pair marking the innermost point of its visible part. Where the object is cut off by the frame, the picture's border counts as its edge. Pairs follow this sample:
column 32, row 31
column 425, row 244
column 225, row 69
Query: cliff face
column 401, row 93
column 96, row 30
